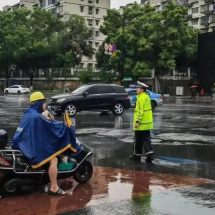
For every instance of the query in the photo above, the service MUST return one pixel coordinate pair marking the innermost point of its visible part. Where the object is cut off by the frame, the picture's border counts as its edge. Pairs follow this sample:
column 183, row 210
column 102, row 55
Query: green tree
column 41, row 45
column 146, row 39
column 49, row 80
column 14, row 31
column 85, row 76
column 76, row 38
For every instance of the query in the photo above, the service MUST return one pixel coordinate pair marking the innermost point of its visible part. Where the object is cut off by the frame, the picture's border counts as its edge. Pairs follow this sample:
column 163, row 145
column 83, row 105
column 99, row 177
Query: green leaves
column 150, row 39
column 38, row 39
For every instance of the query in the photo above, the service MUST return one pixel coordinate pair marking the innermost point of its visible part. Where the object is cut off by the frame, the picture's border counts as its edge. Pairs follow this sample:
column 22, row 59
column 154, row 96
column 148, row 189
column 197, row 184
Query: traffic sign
column 113, row 48
column 110, row 48
column 106, row 47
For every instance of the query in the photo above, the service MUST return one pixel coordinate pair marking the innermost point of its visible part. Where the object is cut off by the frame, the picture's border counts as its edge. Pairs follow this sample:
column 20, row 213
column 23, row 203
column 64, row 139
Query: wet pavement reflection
column 180, row 181
column 111, row 188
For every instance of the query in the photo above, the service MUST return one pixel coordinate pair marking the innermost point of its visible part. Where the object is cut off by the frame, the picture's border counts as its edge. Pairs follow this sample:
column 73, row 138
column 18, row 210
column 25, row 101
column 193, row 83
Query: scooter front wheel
column 7, row 191
column 84, row 172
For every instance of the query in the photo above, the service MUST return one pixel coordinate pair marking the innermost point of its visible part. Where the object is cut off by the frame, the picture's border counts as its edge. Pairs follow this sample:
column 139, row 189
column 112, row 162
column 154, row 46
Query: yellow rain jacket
column 143, row 113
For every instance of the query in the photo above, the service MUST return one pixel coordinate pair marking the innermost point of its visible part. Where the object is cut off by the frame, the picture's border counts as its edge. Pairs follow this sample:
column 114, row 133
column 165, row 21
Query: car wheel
column 18, row 92
column 118, row 109
column 71, row 109
column 6, row 92
column 154, row 105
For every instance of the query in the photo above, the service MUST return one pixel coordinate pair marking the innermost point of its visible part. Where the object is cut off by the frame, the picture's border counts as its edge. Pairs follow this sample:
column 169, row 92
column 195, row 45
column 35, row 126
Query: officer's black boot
column 149, row 158
column 135, row 158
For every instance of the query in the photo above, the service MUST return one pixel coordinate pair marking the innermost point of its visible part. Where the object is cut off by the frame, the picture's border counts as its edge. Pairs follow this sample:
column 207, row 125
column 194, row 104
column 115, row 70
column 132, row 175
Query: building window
column 97, row 22
column 97, row 1
column 51, row 2
column 91, row 32
column 204, row 20
column 90, row 57
column 82, row 9
column 204, row 31
column 203, row 8
column 43, row 4
column 90, row 22
column 54, row 12
column 163, row 6
column 194, row 21
column 195, row 10
column 97, row 33
column 97, row 11
column 90, row 1
column 97, row 44
column 91, row 10
column 91, row 43
column 90, row 66
column 213, row 18
column 61, row 9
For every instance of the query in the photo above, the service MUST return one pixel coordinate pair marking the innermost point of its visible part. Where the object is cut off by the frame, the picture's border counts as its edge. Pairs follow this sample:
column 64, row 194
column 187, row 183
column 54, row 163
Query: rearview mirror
column 86, row 94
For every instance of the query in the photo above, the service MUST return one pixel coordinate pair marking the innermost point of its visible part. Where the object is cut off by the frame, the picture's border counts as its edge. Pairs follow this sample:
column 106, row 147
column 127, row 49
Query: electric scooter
column 15, row 171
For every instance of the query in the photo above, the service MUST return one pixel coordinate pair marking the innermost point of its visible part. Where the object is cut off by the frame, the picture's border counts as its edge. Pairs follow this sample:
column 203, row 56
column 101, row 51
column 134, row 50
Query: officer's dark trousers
column 143, row 139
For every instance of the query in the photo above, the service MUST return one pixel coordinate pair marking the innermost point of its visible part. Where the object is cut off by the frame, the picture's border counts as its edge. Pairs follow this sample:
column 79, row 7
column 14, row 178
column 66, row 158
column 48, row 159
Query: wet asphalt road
column 179, row 182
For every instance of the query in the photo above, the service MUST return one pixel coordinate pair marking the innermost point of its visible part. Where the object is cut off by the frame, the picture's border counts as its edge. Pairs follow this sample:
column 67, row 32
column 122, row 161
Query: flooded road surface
column 180, row 181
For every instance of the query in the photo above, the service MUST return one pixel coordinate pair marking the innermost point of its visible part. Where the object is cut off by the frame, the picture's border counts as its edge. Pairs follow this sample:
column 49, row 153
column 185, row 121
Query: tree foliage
column 85, row 76
column 147, row 39
column 38, row 39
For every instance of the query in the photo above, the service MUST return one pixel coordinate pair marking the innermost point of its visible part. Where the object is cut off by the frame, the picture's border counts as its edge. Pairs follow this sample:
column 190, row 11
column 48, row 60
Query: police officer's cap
column 142, row 85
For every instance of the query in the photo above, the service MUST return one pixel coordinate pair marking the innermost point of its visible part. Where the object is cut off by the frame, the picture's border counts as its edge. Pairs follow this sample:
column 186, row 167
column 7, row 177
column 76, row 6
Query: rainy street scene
column 107, row 107
column 180, row 180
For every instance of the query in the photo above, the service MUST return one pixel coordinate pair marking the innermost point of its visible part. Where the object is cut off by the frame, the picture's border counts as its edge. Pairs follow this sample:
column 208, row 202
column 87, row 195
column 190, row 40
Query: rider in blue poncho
column 41, row 140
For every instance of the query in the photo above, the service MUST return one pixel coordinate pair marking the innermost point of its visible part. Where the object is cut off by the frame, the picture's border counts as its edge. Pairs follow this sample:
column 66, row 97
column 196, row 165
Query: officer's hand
column 137, row 125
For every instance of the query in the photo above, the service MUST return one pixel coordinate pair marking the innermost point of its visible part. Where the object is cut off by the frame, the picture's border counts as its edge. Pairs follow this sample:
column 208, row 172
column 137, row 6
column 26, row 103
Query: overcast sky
column 114, row 3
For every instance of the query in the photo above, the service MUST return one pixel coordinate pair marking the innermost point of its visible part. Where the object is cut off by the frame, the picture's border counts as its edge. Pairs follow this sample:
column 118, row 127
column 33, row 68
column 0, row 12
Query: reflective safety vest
column 143, row 113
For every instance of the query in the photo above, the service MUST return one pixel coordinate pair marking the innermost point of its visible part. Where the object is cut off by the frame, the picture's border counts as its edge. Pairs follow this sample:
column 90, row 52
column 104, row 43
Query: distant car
column 156, row 99
column 17, row 89
column 93, row 97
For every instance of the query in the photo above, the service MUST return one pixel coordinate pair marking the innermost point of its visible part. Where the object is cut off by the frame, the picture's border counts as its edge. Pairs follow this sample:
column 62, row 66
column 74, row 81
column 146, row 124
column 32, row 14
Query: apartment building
column 92, row 10
column 201, row 13
column 22, row 4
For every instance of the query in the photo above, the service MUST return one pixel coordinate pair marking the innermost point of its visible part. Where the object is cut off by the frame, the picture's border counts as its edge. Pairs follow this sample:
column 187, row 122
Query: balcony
column 210, row 12
column 209, row 1
column 204, row 23
column 192, row 1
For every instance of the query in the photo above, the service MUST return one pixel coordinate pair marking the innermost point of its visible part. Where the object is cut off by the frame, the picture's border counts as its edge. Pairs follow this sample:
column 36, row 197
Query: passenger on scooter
column 41, row 140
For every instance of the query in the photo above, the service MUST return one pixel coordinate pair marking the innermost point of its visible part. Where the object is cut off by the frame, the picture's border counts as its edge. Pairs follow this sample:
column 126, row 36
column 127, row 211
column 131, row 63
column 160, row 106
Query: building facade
column 201, row 13
column 29, row 4
column 93, row 11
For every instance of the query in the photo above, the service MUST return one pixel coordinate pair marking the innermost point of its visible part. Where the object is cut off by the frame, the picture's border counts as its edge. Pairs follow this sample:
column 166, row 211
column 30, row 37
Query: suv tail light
column 128, row 98
column 161, row 97
column 3, row 162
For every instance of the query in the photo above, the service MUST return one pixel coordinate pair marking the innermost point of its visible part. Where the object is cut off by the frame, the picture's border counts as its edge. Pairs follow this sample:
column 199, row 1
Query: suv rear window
column 105, row 89
column 132, row 93
column 119, row 89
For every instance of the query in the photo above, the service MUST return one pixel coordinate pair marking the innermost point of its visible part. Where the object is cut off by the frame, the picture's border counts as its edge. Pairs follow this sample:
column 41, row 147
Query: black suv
column 98, row 97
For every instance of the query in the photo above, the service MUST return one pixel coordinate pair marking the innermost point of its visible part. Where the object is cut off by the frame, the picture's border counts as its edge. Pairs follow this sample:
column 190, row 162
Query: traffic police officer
column 142, row 124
